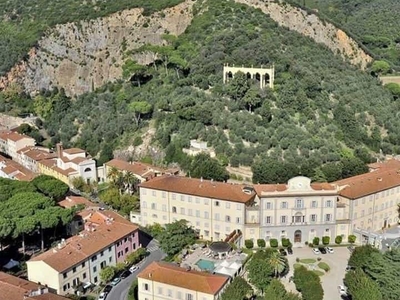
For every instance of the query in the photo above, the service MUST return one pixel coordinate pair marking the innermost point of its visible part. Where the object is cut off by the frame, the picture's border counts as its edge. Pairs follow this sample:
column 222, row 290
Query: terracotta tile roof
column 74, row 151
column 14, row 288
column 370, row 183
column 176, row 276
column 52, row 163
column 199, row 187
column 137, row 168
column 16, row 171
column 36, row 153
column 110, row 228
column 13, row 136
column 260, row 188
column 78, row 160
column 388, row 164
column 72, row 201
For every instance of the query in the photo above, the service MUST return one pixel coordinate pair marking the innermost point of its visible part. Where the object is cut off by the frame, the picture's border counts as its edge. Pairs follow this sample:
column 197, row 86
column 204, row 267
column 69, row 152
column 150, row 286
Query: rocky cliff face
column 310, row 25
column 80, row 57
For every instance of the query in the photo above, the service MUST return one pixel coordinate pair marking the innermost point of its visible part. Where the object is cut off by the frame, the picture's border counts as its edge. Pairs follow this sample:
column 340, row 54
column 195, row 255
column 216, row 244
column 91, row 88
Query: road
column 120, row 292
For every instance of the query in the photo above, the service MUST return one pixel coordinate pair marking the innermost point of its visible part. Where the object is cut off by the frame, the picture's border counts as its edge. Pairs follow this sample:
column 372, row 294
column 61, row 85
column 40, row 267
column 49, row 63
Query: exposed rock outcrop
column 80, row 57
column 310, row 25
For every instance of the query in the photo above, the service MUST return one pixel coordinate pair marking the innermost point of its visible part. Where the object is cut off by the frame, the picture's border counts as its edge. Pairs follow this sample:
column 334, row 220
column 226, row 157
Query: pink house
column 126, row 245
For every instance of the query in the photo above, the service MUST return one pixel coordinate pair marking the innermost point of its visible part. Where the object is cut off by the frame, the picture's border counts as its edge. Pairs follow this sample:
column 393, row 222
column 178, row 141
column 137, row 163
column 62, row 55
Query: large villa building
column 300, row 210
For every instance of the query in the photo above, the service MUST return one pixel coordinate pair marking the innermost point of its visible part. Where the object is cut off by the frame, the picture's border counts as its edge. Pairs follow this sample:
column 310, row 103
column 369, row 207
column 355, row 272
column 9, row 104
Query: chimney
column 59, row 150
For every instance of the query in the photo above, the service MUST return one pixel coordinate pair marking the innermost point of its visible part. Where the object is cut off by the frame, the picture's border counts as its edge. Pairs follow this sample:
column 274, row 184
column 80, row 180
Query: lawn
column 308, row 261
column 324, row 266
column 319, row 273
column 296, row 266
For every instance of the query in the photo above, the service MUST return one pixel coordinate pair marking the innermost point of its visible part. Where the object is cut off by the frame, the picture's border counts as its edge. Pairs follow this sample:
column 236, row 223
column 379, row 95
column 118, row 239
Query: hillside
column 322, row 109
column 375, row 22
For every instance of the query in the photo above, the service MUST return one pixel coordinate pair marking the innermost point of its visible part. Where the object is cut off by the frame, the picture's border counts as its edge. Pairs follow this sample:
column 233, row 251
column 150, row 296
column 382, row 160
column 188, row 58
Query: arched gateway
column 265, row 76
column 297, row 236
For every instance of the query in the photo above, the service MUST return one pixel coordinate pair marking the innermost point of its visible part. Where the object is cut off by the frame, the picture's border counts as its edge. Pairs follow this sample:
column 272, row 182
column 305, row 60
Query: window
column 227, row 218
column 206, row 233
column 163, row 194
column 182, row 211
column 197, row 200
column 153, row 206
column 227, row 205
column 328, row 217
column 169, row 293
column 189, row 297
column 238, row 220
column 217, row 217
column 216, row 227
column 268, row 220
column 95, row 279
column 206, row 201
column 362, row 213
column 94, row 269
column 206, row 225
column 164, row 207
column 146, row 287
column 143, row 191
column 126, row 250
column 363, row 200
column 313, row 218
column 144, row 204
column 329, row 203
column 314, row 204
column 74, row 270
column 370, row 210
column 198, row 213
column 160, row 291
column 109, row 249
column 65, row 275
column 178, row 295
column 283, row 219
column 238, row 206
column 216, row 203
column 174, row 209
column 190, row 212
column 268, row 205
column 102, row 252
column 284, row 204
column 206, row 216
column 109, row 259
column 182, row 198
column 355, row 216
column 189, row 199
column 94, row 258
column 84, row 275
column 154, row 193
column 299, row 203
column 173, row 196
column 83, row 264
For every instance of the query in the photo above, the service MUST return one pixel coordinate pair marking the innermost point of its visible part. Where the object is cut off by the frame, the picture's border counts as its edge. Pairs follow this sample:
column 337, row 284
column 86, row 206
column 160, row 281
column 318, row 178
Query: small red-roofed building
column 106, row 240
column 11, row 142
column 161, row 280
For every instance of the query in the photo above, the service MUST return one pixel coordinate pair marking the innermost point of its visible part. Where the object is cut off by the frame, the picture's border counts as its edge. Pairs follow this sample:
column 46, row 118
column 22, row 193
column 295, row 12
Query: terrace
column 217, row 258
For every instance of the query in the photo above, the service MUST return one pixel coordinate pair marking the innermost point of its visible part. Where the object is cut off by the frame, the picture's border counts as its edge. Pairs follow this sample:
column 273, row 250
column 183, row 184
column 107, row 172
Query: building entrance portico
column 297, row 236
column 265, row 76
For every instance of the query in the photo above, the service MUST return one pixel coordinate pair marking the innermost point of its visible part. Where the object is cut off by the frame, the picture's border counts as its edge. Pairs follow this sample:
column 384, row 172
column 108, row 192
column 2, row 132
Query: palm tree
column 277, row 263
column 131, row 181
column 113, row 174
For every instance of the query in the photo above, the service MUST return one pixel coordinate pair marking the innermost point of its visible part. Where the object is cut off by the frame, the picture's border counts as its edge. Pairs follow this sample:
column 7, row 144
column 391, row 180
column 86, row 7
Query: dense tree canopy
column 238, row 289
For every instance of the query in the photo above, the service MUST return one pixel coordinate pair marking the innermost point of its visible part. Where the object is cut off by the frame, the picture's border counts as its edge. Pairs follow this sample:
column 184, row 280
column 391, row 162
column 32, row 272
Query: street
column 120, row 291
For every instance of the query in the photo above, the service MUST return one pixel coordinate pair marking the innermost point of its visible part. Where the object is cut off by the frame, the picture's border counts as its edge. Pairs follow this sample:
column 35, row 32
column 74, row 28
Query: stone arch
column 267, row 79
column 229, row 76
column 248, row 75
column 257, row 76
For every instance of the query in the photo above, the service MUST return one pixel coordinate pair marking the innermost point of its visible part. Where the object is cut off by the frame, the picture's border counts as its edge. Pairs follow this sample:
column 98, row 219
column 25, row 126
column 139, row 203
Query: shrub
column 316, row 241
column 285, row 242
column 249, row 244
column 273, row 243
column 352, row 238
column 297, row 259
column 261, row 243
column 319, row 258
column 338, row 239
column 308, row 283
column 324, row 266
column 326, row 240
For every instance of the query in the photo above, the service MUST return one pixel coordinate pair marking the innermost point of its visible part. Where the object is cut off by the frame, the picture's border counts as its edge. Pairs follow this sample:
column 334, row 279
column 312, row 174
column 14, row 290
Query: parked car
column 102, row 296
column 322, row 250
column 133, row 269
column 125, row 274
column 290, row 251
column 316, row 251
column 107, row 288
column 283, row 252
column 342, row 290
column 115, row 281
column 329, row 250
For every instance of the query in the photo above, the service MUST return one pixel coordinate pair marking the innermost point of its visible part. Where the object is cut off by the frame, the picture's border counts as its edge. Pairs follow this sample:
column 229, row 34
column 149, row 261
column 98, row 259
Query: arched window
column 88, row 170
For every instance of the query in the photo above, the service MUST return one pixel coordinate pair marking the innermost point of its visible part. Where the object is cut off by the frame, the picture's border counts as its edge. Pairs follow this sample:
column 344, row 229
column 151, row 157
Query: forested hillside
column 23, row 22
column 374, row 22
column 322, row 111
